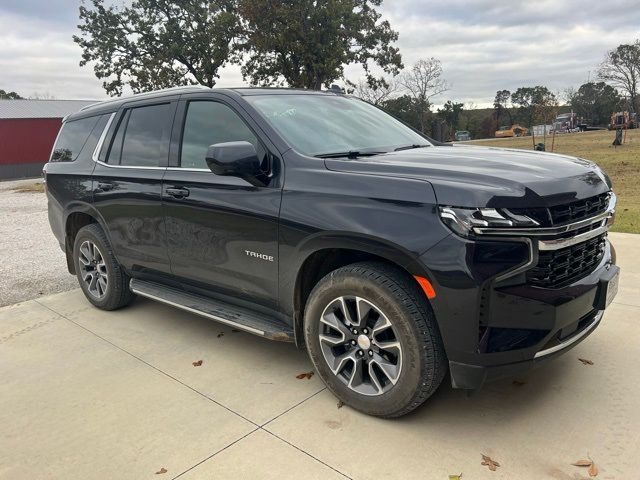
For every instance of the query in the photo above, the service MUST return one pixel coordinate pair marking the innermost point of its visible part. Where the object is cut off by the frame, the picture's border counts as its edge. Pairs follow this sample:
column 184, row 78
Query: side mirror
column 235, row 159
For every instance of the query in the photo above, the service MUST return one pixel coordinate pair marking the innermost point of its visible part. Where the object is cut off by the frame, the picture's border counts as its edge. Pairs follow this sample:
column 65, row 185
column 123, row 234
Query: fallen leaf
column 197, row 364
column 518, row 383
column 489, row 462
column 455, row 477
column 161, row 471
column 340, row 403
column 221, row 334
column 585, row 361
column 593, row 470
column 306, row 375
column 582, row 463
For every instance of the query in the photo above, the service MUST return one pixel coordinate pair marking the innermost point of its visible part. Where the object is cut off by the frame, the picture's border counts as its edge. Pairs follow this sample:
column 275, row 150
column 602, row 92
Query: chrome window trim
column 103, row 137
column 179, row 169
column 571, row 340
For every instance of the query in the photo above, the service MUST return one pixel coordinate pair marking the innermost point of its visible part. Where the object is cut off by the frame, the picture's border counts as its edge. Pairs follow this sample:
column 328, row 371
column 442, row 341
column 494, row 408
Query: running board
column 231, row 315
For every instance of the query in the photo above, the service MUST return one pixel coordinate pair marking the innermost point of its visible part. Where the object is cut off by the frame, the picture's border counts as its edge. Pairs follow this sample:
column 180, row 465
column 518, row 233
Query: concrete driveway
column 86, row 394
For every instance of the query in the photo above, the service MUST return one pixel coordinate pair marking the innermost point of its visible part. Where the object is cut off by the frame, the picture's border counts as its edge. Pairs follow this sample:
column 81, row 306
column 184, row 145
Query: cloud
column 484, row 45
column 487, row 46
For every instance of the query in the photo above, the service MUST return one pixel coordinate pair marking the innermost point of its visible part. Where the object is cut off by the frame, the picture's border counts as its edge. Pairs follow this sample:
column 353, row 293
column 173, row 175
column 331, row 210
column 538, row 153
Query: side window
column 92, row 141
column 207, row 123
column 142, row 138
column 72, row 138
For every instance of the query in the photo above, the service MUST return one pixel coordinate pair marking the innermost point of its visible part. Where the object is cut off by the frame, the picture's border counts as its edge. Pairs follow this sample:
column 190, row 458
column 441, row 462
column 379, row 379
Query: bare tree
column 621, row 68
column 41, row 96
column 423, row 82
column 546, row 109
column 377, row 94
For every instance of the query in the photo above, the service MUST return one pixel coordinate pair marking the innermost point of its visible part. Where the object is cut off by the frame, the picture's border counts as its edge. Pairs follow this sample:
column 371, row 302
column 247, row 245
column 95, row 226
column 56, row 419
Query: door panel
column 131, row 209
column 222, row 232
column 210, row 231
column 127, row 188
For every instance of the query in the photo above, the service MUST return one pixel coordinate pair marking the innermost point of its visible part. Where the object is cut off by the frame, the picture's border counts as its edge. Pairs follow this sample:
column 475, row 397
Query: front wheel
column 373, row 339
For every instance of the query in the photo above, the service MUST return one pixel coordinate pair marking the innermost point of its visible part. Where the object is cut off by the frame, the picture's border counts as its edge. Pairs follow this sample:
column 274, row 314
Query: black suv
column 316, row 218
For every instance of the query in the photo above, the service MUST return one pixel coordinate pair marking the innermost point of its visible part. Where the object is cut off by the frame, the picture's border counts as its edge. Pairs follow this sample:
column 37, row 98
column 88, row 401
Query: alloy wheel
column 93, row 269
column 360, row 346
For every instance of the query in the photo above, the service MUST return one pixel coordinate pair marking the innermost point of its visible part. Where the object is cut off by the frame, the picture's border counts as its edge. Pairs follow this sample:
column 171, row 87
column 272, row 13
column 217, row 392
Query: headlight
column 463, row 220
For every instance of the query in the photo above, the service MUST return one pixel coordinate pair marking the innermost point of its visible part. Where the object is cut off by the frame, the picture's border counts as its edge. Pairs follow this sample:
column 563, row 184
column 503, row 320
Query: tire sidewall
column 87, row 234
column 340, row 284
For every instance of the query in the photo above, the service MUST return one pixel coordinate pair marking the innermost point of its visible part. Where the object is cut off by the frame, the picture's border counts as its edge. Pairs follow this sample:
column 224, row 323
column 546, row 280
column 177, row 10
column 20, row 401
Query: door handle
column 177, row 192
column 105, row 187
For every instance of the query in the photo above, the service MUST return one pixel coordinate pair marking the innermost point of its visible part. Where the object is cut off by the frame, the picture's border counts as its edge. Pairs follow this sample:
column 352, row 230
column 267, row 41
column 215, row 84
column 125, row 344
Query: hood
column 469, row 176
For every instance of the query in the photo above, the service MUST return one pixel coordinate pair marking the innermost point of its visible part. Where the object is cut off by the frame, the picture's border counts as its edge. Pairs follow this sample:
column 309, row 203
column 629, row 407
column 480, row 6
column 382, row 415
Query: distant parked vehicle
column 569, row 122
column 512, row 131
column 623, row 120
column 462, row 135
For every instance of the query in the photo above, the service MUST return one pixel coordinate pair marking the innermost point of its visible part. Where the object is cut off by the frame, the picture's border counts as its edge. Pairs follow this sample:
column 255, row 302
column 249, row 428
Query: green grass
column 622, row 164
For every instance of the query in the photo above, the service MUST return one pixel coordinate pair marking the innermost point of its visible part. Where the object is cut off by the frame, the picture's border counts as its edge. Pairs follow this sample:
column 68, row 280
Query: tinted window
column 146, row 138
column 72, row 138
column 208, row 123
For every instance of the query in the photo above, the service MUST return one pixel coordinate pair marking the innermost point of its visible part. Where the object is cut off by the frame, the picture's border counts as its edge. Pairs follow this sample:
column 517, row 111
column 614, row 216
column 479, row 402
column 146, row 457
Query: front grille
column 567, row 213
column 579, row 210
column 556, row 268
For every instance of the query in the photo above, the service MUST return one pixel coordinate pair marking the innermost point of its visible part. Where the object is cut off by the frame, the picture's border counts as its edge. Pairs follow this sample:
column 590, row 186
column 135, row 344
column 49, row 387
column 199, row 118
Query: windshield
column 324, row 124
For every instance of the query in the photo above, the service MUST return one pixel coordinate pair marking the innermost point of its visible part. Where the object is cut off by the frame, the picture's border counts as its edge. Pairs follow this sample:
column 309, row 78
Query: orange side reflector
column 427, row 288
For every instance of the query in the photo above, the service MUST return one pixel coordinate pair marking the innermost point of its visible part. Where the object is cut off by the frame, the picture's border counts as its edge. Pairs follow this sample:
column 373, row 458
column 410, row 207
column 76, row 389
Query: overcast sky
column 484, row 45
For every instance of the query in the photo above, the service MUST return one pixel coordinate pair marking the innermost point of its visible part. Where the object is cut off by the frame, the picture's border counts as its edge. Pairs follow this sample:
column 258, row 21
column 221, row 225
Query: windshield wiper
column 409, row 147
column 349, row 154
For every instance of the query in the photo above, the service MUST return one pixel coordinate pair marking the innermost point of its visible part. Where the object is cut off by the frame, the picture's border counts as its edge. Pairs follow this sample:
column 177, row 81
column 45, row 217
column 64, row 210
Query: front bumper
column 495, row 325
column 472, row 377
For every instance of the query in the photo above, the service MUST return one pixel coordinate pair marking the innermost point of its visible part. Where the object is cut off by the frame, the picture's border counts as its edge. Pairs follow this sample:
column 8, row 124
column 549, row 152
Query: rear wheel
column 102, row 279
column 372, row 337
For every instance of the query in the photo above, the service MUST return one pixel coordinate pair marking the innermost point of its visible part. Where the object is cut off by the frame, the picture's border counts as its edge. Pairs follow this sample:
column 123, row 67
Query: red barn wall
column 25, row 145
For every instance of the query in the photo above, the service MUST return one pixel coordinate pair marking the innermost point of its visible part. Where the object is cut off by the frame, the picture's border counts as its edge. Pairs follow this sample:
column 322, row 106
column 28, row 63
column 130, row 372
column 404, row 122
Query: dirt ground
column 31, row 261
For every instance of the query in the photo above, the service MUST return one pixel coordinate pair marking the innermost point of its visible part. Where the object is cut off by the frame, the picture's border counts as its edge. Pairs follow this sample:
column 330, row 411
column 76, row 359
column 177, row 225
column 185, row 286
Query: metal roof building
column 28, row 129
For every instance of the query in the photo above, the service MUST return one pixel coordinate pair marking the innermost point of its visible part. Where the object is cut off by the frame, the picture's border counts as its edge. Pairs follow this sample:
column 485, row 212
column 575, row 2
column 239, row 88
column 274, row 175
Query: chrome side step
column 231, row 315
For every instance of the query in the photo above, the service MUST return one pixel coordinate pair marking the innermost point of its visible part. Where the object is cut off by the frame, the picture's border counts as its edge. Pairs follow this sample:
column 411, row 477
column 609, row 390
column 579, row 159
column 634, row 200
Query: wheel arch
column 76, row 217
column 321, row 255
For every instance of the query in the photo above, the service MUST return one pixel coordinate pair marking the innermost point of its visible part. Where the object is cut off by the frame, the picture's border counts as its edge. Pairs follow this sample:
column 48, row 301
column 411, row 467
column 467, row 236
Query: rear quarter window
column 72, row 138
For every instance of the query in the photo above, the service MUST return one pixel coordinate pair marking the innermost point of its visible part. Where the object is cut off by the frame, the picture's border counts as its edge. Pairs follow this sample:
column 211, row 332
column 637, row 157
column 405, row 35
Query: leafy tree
column 533, row 103
column 307, row 43
column 155, row 44
column 423, row 82
column 407, row 109
column 450, row 113
column 487, row 127
column 9, row 96
column 501, row 105
column 595, row 102
column 621, row 68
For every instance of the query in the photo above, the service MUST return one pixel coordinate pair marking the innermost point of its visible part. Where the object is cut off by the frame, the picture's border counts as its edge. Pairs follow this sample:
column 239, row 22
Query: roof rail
column 146, row 94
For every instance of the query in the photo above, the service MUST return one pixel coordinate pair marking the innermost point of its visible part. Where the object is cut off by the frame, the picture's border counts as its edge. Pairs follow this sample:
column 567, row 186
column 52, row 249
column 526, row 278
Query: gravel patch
column 31, row 261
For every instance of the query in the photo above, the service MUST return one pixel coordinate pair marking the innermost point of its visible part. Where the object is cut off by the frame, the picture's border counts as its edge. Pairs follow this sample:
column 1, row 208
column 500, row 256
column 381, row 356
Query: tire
column 416, row 359
column 102, row 279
